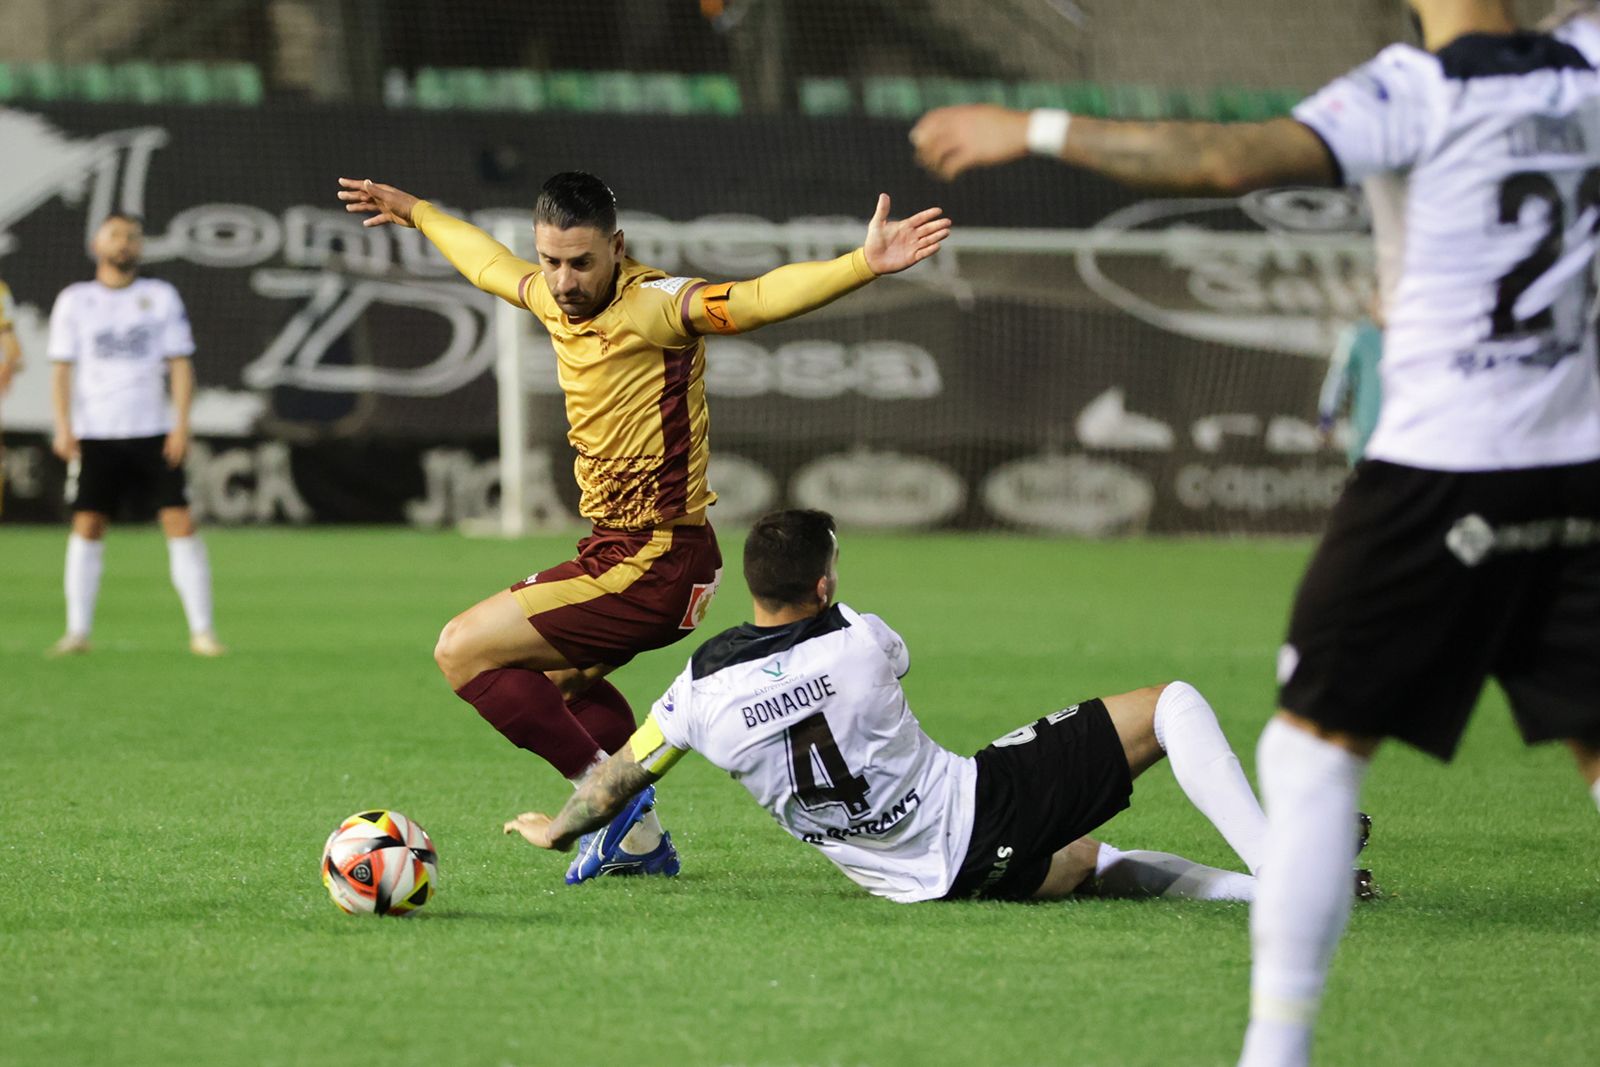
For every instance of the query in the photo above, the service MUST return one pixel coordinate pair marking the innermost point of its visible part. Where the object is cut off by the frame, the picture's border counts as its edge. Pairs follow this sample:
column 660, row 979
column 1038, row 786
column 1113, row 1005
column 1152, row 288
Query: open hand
column 384, row 203
column 534, row 827
column 65, row 445
column 891, row 247
column 951, row 140
column 175, row 447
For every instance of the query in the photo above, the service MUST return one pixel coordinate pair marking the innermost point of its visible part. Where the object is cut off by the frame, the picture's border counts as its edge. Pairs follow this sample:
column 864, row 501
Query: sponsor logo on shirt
column 881, row 825
column 670, row 286
column 137, row 343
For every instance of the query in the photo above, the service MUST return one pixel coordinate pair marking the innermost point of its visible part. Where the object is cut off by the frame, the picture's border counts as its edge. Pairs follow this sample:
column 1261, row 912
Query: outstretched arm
column 603, row 793
column 481, row 259
column 1187, row 157
column 890, row 247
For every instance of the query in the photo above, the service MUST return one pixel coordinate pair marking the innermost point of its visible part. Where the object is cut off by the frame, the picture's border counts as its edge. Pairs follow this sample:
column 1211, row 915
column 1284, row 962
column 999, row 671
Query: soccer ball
column 379, row 862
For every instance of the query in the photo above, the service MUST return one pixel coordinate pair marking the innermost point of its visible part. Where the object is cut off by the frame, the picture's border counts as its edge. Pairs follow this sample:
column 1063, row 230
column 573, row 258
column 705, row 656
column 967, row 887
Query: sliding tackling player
column 804, row 708
column 631, row 362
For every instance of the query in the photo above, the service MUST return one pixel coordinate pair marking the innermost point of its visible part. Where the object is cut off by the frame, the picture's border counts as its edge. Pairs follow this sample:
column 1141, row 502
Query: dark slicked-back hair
column 786, row 554
column 573, row 198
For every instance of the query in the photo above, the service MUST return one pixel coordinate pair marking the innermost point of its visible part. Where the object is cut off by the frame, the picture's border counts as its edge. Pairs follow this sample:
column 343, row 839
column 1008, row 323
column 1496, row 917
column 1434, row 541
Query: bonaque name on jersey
column 799, row 698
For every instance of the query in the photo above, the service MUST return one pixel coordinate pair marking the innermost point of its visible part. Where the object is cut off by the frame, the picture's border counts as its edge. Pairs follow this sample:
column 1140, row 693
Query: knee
column 89, row 525
column 177, row 522
column 1178, row 689
column 450, row 652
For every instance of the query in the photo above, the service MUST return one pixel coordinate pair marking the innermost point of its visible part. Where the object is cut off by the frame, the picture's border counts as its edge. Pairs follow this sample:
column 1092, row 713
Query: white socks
column 85, row 564
column 1161, row 874
column 1209, row 772
column 1304, row 891
column 645, row 835
column 1594, row 791
column 191, row 577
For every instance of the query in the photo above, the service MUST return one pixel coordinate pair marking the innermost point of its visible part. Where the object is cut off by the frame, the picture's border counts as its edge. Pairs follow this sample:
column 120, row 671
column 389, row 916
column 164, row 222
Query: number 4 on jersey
column 811, row 743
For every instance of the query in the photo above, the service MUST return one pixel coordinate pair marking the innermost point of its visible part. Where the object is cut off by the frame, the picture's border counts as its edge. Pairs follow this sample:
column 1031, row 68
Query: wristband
column 1047, row 130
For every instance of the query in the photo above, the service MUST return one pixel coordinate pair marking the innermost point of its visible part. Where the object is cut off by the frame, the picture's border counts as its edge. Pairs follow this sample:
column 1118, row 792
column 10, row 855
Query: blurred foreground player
column 804, row 708
column 114, row 343
column 631, row 362
column 10, row 366
column 1468, row 545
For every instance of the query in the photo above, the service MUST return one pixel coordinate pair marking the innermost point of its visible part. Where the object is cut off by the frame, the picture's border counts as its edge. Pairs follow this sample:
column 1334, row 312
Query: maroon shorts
column 626, row 593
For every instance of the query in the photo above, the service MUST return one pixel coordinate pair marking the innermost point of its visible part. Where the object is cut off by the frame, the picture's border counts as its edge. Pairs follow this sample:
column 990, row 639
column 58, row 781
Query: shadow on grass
column 1562, row 911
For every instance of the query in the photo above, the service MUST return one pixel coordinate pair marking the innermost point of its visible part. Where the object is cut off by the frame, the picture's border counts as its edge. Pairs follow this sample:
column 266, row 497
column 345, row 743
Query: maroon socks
column 527, row 708
column 604, row 712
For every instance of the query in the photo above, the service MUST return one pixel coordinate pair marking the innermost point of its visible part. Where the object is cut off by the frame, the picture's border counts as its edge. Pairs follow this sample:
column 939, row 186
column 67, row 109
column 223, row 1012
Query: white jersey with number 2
column 1489, row 359
column 811, row 719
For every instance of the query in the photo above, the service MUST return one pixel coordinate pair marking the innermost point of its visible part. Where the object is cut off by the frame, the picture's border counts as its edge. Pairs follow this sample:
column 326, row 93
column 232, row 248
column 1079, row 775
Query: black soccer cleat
column 1366, row 888
column 1364, row 825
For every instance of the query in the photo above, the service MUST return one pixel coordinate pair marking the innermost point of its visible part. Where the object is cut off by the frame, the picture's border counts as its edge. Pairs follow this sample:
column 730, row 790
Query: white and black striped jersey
column 1486, row 155
column 811, row 719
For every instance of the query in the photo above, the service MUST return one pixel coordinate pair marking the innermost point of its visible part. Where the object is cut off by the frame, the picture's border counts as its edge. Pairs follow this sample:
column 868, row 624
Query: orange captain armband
column 714, row 313
column 650, row 749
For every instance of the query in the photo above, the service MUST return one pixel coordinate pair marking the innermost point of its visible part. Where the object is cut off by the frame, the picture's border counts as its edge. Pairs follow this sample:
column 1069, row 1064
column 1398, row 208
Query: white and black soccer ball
column 379, row 863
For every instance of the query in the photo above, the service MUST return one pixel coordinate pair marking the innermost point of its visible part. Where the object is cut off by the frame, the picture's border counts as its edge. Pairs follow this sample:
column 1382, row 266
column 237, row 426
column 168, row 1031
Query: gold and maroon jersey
column 634, row 372
column 5, row 308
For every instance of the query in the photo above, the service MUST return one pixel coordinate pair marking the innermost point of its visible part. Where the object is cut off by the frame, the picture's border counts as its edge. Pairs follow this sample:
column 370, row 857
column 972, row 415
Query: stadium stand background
column 1089, row 362
column 338, row 49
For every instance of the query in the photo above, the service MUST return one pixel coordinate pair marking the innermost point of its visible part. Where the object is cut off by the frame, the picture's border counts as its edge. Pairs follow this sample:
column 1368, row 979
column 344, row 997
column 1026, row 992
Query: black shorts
column 1427, row 583
column 127, row 477
column 1040, row 788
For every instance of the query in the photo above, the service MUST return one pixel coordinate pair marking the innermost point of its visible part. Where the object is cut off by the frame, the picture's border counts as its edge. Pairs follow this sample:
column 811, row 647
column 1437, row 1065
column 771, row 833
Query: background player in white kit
column 1470, row 546
column 114, row 341
column 804, row 708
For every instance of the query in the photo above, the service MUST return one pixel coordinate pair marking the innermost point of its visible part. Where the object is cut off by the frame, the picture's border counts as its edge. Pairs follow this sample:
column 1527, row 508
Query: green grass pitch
column 161, row 819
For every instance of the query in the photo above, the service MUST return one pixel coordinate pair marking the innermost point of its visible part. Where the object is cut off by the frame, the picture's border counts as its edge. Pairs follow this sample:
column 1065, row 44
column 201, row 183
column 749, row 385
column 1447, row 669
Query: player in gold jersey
column 631, row 362
column 10, row 364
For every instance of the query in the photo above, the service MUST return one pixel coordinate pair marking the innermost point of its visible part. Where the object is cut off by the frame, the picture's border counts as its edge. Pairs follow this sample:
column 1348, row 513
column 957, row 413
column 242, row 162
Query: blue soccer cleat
column 662, row 860
column 599, row 846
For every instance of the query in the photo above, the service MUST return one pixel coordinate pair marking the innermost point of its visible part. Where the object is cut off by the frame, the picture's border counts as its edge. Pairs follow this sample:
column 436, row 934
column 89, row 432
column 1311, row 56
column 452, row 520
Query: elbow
column 1229, row 177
